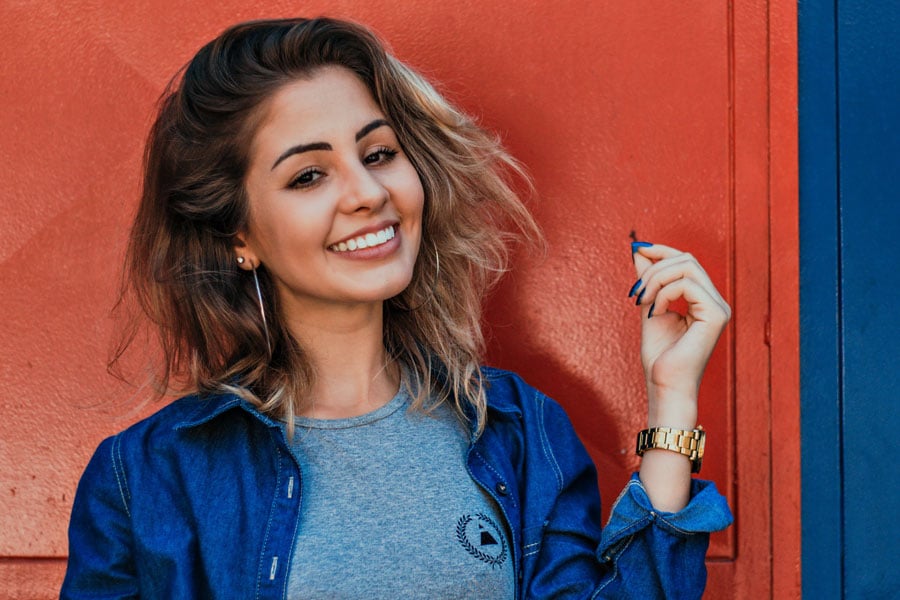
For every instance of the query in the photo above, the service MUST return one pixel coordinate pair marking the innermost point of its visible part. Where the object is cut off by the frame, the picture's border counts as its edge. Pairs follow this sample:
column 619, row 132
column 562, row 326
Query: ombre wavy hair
column 181, row 268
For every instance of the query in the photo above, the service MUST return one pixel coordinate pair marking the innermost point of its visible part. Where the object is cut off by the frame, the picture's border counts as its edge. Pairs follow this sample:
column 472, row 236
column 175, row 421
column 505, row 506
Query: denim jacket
column 202, row 500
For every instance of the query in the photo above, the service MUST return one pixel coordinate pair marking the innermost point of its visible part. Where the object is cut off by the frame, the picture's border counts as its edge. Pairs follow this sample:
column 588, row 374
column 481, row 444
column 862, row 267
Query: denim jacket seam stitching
column 261, row 567
column 636, row 483
column 664, row 521
column 673, row 526
column 639, row 521
column 545, row 443
column 633, row 527
column 615, row 573
column 620, row 496
column 122, row 482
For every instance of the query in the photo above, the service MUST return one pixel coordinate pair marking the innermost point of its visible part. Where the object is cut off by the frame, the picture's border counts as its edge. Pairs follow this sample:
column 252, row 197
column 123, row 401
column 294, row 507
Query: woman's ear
column 244, row 255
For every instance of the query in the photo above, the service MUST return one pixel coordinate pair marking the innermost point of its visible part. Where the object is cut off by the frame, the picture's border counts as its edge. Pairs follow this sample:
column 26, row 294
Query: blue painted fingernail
column 635, row 288
column 636, row 245
column 652, row 306
column 641, row 295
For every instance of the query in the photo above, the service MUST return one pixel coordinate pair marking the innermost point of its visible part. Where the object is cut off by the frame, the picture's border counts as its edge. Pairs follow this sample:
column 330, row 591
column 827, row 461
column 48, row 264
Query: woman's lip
column 370, row 229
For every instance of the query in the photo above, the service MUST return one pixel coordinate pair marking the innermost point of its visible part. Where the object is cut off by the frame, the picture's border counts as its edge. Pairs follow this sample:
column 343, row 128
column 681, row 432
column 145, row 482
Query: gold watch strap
column 689, row 442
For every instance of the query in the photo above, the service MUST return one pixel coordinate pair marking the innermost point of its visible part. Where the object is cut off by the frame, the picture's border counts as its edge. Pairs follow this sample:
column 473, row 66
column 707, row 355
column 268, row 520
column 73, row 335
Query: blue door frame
column 850, row 306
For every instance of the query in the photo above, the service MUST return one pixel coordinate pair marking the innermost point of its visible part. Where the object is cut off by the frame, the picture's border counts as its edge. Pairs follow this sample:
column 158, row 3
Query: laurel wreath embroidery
column 464, row 540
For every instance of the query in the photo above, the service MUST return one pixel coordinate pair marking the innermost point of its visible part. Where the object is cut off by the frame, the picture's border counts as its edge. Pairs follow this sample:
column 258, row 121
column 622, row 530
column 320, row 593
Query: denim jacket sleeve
column 666, row 550
column 100, row 553
column 642, row 553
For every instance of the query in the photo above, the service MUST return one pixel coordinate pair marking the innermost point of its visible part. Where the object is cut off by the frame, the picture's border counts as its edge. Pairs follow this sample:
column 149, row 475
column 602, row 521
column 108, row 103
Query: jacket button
column 502, row 489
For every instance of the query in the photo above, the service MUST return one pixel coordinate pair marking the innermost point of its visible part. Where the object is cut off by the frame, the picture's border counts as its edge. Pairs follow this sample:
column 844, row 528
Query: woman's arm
column 675, row 349
column 100, row 555
column 642, row 552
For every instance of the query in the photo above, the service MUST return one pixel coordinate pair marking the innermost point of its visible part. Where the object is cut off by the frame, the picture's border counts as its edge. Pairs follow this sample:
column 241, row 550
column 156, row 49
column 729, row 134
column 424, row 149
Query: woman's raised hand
column 675, row 348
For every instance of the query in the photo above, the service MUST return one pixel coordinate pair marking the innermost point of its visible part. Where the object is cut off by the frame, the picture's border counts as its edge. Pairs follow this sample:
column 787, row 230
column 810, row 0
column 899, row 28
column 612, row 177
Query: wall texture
column 660, row 123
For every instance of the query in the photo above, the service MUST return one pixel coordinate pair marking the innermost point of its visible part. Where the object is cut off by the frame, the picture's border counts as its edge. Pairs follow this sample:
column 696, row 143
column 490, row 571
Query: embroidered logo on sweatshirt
column 481, row 538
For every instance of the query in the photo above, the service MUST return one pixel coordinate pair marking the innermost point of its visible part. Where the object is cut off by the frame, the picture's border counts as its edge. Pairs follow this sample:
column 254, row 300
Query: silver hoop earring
column 434, row 282
column 262, row 311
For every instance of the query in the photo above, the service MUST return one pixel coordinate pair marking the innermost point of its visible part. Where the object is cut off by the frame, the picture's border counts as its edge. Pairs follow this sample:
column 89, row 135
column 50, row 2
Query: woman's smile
column 367, row 239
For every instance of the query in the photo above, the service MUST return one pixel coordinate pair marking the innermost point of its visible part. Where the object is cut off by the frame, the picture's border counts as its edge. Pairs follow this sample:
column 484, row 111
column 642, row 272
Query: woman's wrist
column 672, row 409
column 666, row 475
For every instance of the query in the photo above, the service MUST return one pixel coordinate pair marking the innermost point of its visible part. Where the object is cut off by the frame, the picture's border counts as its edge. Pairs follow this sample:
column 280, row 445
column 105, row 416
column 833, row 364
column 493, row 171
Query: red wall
column 675, row 121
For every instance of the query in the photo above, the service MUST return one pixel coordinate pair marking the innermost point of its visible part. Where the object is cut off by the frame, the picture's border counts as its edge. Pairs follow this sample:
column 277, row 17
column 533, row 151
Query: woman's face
column 335, row 204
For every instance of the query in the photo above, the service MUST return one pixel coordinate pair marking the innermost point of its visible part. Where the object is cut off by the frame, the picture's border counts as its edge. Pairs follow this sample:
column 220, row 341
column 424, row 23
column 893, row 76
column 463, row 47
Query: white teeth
column 368, row 240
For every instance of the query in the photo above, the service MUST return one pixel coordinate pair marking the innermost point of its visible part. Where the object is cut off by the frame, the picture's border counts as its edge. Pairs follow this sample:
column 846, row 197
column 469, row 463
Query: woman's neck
column 353, row 373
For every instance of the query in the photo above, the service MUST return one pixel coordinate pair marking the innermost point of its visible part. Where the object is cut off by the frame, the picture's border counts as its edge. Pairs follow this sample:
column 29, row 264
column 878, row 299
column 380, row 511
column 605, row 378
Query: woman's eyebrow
column 300, row 148
column 370, row 127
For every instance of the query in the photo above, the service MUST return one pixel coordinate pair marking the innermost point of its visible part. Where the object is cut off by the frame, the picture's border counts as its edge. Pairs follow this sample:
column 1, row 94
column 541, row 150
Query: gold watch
column 686, row 442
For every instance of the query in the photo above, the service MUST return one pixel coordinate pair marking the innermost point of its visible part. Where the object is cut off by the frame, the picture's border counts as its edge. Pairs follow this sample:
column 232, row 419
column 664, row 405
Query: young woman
column 316, row 232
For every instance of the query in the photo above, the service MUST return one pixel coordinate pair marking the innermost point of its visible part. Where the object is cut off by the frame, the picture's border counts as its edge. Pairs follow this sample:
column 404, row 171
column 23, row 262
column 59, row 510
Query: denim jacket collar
column 213, row 405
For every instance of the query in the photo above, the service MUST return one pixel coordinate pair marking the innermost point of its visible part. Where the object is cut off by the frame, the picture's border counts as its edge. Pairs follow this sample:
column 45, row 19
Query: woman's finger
column 645, row 254
column 641, row 262
column 702, row 306
column 659, row 256
column 654, row 252
column 670, row 270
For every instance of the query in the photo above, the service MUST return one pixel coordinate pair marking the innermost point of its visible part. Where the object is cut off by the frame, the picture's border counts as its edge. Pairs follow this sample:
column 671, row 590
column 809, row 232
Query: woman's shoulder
column 186, row 432
column 185, row 414
column 547, row 440
column 507, row 381
column 509, row 392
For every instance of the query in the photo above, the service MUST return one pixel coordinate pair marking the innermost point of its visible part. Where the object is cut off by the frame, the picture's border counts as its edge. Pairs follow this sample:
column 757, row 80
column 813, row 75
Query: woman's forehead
column 331, row 96
column 330, row 105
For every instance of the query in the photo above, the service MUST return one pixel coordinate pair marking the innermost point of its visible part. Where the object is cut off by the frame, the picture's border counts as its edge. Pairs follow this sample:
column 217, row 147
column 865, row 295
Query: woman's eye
column 306, row 178
column 379, row 156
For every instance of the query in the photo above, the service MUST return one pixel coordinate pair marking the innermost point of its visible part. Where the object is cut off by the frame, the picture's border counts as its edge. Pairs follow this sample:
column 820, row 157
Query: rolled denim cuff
column 632, row 511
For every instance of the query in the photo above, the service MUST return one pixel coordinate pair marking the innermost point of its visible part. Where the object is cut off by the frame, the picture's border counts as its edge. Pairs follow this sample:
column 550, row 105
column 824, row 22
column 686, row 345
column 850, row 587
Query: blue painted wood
column 820, row 330
column 850, row 296
column 869, row 134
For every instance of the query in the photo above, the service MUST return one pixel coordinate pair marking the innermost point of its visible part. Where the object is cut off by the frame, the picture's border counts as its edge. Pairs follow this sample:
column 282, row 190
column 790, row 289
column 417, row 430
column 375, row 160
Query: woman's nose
column 363, row 191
